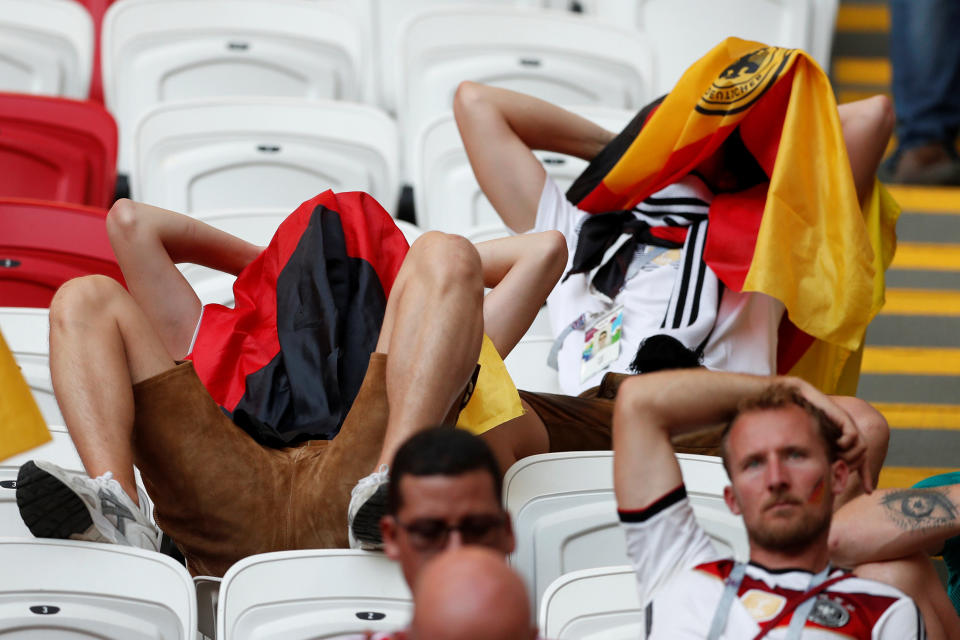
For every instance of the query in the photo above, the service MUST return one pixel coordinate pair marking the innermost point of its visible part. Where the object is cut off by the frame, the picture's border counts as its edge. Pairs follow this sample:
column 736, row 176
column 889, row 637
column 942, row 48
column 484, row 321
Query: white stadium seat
column 593, row 604
column 68, row 589
column 682, row 31
column 557, row 56
column 447, row 196
column 527, row 365
column 388, row 17
column 261, row 154
column 158, row 51
column 47, row 47
column 295, row 595
column 565, row 517
column 824, row 26
column 59, row 450
column 27, row 333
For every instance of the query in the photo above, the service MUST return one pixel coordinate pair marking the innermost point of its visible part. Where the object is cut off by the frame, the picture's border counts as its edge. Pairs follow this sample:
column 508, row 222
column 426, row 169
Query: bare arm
column 149, row 242
column 654, row 407
column 894, row 523
column 867, row 125
column 521, row 270
column 500, row 128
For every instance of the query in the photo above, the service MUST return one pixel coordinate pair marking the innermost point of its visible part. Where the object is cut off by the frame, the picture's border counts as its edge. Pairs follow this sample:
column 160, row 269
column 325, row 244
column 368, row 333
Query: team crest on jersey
column 744, row 81
column 828, row 612
column 762, row 605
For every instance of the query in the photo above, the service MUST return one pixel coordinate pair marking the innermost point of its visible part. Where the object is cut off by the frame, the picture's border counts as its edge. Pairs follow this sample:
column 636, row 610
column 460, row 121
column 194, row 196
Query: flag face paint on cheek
column 816, row 496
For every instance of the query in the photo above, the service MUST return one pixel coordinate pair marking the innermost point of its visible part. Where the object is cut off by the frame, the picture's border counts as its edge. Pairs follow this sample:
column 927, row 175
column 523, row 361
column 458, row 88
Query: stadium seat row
column 398, row 54
column 569, row 550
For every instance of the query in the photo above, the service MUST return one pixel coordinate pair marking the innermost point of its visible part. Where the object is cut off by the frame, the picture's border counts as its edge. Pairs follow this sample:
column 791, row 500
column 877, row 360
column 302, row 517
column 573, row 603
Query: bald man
column 470, row 594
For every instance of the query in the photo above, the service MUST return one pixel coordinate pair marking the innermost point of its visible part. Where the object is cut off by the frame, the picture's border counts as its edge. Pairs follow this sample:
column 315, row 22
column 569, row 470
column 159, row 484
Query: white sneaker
column 57, row 503
column 368, row 503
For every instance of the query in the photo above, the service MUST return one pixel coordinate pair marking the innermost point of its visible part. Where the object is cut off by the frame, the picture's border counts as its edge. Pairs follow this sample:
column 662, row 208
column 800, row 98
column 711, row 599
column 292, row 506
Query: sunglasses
column 432, row 534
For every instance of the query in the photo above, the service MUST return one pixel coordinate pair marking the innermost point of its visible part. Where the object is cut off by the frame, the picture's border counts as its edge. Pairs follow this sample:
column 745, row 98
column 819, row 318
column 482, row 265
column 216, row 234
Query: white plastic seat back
column 294, row 595
column 446, row 193
column 527, row 365
column 388, row 17
column 262, row 154
column 565, row 514
column 593, row 604
column 157, row 51
column 553, row 55
column 59, row 450
column 47, row 47
column 682, row 31
column 69, row 589
column 27, row 333
column 824, row 27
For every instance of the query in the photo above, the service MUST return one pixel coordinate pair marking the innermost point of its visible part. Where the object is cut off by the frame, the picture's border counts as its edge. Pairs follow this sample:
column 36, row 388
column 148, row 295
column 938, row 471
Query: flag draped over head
column 800, row 235
column 287, row 361
column 21, row 424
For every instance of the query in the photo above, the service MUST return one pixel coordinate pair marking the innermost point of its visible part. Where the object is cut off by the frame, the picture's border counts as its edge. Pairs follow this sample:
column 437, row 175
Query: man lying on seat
column 255, row 428
column 789, row 451
column 656, row 224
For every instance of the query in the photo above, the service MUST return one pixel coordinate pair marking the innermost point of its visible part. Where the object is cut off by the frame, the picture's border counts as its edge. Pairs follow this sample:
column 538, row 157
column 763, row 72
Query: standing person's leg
column 925, row 53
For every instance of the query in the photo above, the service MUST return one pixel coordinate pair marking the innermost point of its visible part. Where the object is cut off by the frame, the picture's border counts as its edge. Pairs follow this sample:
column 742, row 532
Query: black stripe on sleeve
column 642, row 515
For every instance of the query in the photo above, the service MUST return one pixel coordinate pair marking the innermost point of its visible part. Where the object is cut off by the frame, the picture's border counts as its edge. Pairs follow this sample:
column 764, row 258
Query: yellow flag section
column 800, row 238
column 21, row 425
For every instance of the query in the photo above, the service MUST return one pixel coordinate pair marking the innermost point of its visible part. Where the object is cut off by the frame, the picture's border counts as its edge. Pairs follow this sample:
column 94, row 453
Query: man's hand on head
column 851, row 444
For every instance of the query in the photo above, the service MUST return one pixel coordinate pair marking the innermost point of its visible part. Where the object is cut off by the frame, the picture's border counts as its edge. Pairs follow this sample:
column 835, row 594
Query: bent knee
column 447, row 260
column 555, row 248
column 81, row 297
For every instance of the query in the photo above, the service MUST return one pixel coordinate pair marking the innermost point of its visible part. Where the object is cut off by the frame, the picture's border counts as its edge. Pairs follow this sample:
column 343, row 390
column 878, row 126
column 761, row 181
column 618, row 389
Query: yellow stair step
column 863, row 17
column 945, row 200
column 872, row 71
column 920, row 416
column 922, row 302
column 920, row 361
column 899, row 477
column 927, row 256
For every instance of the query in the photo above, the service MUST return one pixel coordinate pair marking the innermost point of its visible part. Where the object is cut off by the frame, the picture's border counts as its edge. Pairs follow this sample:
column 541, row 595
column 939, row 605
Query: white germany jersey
column 740, row 333
column 681, row 578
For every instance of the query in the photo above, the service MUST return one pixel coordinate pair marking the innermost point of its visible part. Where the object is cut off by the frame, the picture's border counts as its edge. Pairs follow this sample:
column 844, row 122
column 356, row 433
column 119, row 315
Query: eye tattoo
column 919, row 508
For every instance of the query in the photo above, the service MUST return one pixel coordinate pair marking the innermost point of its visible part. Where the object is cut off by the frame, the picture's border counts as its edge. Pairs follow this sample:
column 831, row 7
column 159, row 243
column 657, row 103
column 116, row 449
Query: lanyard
column 732, row 586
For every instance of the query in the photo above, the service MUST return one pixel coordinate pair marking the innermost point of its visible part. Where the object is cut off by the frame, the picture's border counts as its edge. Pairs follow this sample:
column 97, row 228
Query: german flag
column 800, row 236
column 21, row 425
column 287, row 361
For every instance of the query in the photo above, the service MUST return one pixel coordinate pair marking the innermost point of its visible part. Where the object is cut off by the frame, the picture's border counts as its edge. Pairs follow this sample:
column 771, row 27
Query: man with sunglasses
column 445, row 493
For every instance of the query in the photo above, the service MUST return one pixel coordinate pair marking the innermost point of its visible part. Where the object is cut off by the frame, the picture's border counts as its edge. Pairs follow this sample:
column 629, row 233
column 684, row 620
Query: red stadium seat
column 96, row 8
column 44, row 244
column 57, row 149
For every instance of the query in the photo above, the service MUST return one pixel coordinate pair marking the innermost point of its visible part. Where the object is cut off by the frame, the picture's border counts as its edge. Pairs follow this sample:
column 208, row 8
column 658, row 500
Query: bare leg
column 916, row 577
column 432, row 330
column 521, row 437
column 101, row 344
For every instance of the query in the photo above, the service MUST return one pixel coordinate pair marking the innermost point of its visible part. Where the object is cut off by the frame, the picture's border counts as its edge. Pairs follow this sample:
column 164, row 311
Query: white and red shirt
column 738, row 331
column 680, row 578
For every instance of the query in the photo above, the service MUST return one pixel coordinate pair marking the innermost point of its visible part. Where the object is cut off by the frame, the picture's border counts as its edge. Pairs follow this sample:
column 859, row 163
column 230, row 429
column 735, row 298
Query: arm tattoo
column 914, row 509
